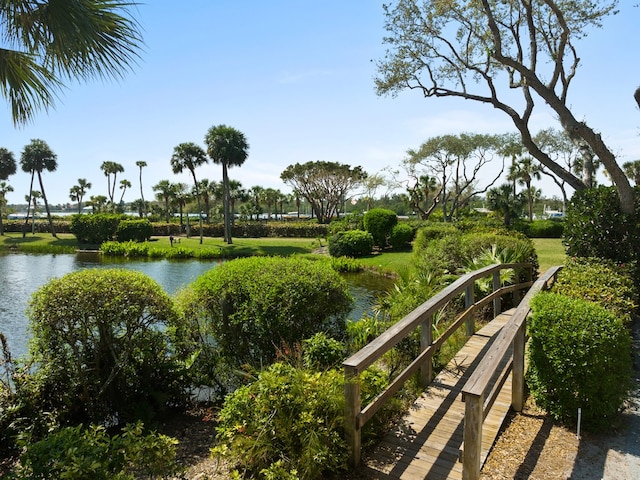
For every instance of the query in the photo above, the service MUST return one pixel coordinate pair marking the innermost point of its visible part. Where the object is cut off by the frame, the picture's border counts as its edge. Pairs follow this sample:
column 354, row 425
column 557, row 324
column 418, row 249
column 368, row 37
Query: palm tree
column 236, row 194
column 7, row 168
column 124, row 184
column 141, row 164
column 502, row 199
column 524, row 171
column 164, row 193
column 181, row 196
column 36, row 157
column 33, row 198
column 97, row 203
column 207, row 191
column 4, row 189
column 111, row 168
column 189, row 155
column 257, row 194
column 228, row 147
column 57, row 41
column 631, row 169
column 77, row 192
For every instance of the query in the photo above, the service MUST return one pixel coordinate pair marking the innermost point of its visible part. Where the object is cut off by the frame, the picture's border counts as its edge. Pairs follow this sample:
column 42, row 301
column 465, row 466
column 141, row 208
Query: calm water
column 22, row 274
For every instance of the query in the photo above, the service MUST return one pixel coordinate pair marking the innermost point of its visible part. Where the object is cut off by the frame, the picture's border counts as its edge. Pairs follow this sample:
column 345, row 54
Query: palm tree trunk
column 26, row 221
column 227, row 202
column 46, row 206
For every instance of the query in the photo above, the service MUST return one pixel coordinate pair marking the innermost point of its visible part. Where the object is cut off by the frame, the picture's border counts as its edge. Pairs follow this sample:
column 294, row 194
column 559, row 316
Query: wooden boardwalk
column 427, row 442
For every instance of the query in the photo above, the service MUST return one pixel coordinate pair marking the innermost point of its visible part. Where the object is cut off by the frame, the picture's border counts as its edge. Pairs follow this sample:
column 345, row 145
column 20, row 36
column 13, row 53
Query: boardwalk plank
column 426, row 443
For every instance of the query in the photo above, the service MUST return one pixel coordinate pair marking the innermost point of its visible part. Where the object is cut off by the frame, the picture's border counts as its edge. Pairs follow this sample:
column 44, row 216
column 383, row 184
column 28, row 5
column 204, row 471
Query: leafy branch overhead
column 485, row 51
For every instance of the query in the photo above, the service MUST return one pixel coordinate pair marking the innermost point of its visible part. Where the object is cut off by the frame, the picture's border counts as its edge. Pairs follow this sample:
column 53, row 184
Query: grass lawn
column 550, row 252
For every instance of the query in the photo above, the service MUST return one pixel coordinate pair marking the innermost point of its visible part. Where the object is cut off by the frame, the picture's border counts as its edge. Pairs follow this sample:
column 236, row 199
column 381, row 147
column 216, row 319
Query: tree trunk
column 227, row 204
column 46, row 206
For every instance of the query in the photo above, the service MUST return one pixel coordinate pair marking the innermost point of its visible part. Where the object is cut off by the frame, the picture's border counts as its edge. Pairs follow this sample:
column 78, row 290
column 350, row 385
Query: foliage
column 136, row 230
column 95, row 229
column 433, row 231
column 351, row 221
column 325, row 185
column 251, row 306
column 595, row 226
column 102, row 344
column 353, row 243
column 78, row 452
column 515, row 253
column 363, row 331
column 93, row 38
column 379, row 222
column 321, row 352
column 453, row 253
column 541, row 228
column 580, row 357
column 346, row 265
column 600, row 281
column 288, row 415
column 486, row 51
column 401, row 236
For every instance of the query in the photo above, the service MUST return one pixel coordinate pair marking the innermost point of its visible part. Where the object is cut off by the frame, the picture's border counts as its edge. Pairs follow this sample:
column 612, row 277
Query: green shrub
column 95, row 229
column 600, row 281
column 354, row 243
column 401, row 236
column 321, row 352
column 545, row 229
column 288, row 415
column 379, row 222
column 579, row 357
column 76, row 453
column 425, row 235
column 252, row 306
column 346, row 265
column 596, row 227
column 137, row 230
column 102, row 344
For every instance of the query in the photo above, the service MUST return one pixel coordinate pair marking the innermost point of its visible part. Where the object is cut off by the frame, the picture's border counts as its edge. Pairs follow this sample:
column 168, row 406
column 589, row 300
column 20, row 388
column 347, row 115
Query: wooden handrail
column 355, row 416
column 506, row 355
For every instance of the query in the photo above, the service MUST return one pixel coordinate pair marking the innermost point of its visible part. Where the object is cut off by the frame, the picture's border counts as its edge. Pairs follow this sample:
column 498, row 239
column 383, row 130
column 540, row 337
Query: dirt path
column 532, row 447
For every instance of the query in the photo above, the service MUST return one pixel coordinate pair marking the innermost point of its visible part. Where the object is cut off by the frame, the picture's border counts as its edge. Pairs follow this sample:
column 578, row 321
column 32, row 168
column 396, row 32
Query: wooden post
column 497, row 302
column 472, row 437
column 517, row 372
column 468, row 301
column 352, row 410
column 426, row 339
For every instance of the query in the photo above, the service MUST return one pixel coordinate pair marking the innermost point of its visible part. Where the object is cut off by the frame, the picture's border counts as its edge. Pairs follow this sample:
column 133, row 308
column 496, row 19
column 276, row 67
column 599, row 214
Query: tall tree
column 47, row 43
column 141, row 164
column 504, row 200
column 4, row 189
column 7, row 168
column 77, row 192
column 323, row 184
column 228, row 147
column 97, row 202
column 164, row 193
column 111, row 168
column 37, row 156
column 456, row 161
column 124, row 184
column 190, row 156
column 632, row 169
column 484, row 50
column 524, row 171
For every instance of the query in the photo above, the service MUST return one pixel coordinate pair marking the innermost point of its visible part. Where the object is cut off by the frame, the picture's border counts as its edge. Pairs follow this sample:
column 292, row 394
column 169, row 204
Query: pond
column 22, row 274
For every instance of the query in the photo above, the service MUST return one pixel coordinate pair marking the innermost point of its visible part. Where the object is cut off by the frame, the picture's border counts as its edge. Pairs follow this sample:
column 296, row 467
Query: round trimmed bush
column 579, row 357
column 401, row 236
column 101, row 340
column 379, row 222
column 251, row 307
column 353, row 243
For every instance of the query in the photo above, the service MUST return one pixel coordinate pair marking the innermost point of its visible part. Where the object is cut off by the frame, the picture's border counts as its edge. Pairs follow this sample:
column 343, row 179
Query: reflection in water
column 22, row 274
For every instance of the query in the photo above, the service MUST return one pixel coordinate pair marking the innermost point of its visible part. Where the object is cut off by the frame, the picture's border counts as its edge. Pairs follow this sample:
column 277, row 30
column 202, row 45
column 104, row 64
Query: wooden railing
column 356, row 416
column 506, row 355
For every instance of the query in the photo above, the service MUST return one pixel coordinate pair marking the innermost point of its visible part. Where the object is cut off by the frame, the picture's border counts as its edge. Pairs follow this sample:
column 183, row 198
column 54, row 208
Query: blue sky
column 297, row 79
